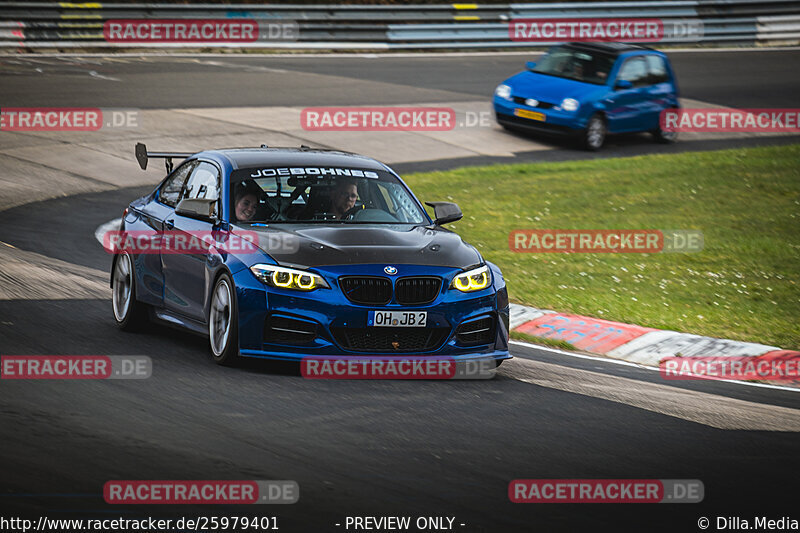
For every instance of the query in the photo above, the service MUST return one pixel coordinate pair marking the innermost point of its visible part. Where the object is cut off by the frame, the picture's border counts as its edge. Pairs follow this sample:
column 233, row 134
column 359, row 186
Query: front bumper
column 288, row 325
column 558, row 123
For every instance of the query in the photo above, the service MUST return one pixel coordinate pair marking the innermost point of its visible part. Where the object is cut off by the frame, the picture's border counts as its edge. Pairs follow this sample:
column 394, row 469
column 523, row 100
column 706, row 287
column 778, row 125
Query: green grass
column 546, row 341
column 743, row 285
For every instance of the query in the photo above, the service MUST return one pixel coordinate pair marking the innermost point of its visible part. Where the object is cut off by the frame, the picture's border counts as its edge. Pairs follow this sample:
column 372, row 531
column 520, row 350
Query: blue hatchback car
column 588, row 90
column 345, row 262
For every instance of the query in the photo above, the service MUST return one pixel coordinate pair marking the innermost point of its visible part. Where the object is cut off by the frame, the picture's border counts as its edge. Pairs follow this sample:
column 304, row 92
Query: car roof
column 610, row 48
column 282, row 156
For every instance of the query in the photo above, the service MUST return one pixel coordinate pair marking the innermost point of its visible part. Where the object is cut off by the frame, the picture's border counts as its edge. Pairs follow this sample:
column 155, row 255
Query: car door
column 186, row 267
column 150, row 218
column 659, row 90
column 625, row 106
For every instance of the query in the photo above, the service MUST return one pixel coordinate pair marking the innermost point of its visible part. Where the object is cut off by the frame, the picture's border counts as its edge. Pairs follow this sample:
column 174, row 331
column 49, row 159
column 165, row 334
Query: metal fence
column 33, row 25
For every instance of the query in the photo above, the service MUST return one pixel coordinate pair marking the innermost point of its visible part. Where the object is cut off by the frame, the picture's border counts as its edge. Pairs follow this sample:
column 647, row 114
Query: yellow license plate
column 533, row 115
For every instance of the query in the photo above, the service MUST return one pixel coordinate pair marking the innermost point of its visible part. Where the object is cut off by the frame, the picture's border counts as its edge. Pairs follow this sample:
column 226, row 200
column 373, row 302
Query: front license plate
column 533, row 115
column 397, row 319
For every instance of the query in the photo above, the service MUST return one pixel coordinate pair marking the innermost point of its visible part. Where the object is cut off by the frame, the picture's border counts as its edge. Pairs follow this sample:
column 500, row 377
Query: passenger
column 245, row 201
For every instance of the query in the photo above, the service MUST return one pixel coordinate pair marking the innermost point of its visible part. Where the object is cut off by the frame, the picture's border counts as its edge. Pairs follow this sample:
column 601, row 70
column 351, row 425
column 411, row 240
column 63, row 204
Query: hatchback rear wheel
column 663, row 136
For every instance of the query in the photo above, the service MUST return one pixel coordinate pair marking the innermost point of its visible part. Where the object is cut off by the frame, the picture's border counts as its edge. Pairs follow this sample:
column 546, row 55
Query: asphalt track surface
column 749, row 79
column 356, row 448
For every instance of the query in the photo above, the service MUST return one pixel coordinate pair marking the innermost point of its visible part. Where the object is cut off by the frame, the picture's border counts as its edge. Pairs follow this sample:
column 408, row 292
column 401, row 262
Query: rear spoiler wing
column 142, row 156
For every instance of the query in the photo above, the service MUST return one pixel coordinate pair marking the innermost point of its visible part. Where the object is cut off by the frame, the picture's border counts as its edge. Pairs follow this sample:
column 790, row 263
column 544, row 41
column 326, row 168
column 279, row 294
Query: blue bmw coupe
column 344, row 261
column 588, row 90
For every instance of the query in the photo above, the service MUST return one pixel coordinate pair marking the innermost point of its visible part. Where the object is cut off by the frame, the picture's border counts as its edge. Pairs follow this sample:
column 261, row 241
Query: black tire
column 664, row 137
column 594, row 135
column 223, row 322
column 129, row 313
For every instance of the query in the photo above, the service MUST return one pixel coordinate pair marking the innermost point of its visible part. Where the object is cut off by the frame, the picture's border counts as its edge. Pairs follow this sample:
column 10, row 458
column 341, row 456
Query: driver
column 343, row 197
column 577, row 70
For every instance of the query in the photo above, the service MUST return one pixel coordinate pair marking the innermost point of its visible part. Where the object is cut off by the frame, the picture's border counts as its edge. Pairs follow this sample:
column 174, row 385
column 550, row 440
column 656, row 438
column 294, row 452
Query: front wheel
column 595, row 133
column 223, row 322
column 129, row 314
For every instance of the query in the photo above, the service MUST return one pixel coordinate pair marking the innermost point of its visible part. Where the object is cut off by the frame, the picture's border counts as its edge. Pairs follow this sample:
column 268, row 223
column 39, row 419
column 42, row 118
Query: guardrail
column 33, row 25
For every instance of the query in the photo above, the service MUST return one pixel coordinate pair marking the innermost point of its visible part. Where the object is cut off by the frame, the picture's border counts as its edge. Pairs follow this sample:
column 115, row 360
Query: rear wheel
column 595, row 133
column 223, row 322
column 129, row 314
column 664, row 137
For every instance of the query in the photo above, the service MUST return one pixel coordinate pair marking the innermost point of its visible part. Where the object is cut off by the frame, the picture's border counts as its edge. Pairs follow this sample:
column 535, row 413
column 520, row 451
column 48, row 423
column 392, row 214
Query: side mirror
column 201, row 208
column 445, row 212
column 530, row 65
column 623, row 84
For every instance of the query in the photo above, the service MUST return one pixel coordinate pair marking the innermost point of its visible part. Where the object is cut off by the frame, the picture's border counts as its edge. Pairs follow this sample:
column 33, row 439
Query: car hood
column 310, row 245
column 550, row 88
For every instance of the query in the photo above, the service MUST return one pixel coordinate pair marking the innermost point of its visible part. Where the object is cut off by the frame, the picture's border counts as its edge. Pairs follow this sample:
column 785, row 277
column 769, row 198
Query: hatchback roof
column 609, row 48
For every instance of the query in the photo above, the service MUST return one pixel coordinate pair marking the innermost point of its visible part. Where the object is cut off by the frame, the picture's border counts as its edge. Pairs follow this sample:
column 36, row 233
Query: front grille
column 417, row 290
column 480, row 331
column 286, row 330
column 380, row 339
column 366, row 290
column 540, row 105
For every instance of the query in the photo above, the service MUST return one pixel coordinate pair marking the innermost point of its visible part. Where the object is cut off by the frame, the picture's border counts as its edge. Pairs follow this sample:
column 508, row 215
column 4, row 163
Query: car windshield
column 321, row 195
column 581, row 65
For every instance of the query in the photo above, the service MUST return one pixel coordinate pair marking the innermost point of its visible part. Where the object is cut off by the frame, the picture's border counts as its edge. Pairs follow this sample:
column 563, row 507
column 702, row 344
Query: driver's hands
column 351, row 213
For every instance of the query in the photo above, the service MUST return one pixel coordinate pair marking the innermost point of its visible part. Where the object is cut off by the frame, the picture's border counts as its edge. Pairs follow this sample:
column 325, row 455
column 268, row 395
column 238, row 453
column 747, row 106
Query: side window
column 170, row 192
column 635, row 71
column 203, row 183
column 657, row 70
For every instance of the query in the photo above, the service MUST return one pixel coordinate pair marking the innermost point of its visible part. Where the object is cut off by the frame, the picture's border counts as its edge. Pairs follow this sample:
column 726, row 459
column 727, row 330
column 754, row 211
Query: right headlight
column 473, row 280
column 503, row 91
column 570, row 104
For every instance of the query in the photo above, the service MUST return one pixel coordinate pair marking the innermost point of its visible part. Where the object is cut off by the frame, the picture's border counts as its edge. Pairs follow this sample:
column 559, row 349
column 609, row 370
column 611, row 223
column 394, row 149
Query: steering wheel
column 350, row 213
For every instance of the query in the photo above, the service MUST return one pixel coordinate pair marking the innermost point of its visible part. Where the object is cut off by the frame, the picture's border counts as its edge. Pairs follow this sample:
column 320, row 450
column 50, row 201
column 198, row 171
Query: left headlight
column 288, row 278
column 503, row 91
column 570, row 104
column 472, row 280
